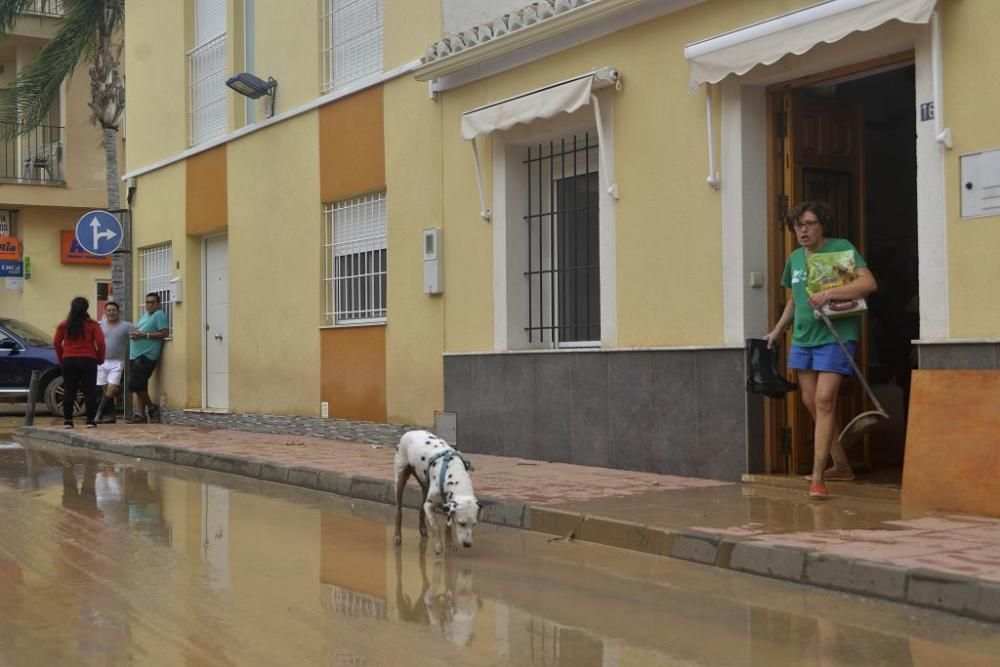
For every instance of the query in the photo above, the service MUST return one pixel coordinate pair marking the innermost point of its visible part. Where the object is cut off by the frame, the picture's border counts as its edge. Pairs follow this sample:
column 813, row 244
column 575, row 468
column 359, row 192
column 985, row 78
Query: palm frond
column 25, row 103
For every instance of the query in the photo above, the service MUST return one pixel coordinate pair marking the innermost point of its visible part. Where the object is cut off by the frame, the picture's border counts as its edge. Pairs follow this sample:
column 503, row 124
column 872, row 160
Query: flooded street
column 108, row 561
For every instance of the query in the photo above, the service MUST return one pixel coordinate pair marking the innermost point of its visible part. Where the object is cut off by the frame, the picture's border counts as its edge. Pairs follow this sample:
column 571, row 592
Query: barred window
column 207, row 117
column 156, row 266
column 562, row 224
column 352, row 41
column 354, row 260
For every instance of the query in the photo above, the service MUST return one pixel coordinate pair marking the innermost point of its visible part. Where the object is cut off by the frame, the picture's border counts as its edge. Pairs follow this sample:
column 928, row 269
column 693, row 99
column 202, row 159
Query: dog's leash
column 448, row 455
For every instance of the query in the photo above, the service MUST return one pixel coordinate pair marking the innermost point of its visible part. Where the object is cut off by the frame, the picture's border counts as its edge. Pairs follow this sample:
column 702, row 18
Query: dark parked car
column 23, row 348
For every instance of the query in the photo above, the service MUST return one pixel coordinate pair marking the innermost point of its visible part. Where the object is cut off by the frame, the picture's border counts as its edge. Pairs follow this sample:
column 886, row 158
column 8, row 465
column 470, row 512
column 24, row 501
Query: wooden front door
column 819, row 149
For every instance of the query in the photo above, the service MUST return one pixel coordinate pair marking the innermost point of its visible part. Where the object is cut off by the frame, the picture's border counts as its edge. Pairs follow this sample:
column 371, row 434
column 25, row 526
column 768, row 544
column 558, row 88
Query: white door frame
column 204, row 312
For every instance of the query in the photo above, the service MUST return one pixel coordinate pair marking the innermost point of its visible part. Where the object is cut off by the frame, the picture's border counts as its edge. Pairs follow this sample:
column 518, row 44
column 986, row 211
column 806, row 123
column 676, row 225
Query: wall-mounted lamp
column 254, row 87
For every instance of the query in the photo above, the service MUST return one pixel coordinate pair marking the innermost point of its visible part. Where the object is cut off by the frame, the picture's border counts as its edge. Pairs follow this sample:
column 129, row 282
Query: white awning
column 563, row 97
column 764, row 43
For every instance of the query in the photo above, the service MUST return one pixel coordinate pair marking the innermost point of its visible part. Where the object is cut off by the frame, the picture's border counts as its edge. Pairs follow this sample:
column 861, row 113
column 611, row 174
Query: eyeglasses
column 802, row 224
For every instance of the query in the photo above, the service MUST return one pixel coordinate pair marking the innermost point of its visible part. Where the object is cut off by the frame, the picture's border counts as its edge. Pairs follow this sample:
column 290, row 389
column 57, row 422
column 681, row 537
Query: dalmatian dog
column 443, row 476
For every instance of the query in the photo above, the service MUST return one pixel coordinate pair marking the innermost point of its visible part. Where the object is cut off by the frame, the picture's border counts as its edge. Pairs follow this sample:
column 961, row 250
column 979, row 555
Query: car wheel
column 54, row 398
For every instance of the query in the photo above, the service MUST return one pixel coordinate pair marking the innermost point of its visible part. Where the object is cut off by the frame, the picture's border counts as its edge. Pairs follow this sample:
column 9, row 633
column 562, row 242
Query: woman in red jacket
column 79, row 344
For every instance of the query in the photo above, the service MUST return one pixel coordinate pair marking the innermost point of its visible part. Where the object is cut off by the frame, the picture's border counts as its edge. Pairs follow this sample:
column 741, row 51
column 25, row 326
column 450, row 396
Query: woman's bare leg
column 827, row 389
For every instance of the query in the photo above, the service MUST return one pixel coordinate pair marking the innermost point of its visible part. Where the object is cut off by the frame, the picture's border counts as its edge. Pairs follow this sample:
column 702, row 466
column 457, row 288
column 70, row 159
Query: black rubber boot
column 762, row 371
column 106, row 404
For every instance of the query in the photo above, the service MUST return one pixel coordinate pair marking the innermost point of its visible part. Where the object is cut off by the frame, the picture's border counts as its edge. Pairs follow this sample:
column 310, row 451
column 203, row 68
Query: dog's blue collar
column 448, row 455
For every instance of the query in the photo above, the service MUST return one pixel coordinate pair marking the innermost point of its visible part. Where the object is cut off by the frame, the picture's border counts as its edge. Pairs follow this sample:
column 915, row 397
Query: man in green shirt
column 144, row 352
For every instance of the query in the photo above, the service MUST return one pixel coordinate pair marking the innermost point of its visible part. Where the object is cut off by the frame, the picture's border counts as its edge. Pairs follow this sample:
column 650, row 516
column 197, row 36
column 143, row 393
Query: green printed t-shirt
column 149, row 324
column 808, row 331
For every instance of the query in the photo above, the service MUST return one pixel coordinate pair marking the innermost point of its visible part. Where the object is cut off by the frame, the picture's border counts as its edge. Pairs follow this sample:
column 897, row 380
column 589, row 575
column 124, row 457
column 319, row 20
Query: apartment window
column 156, row 266
column 563, row 243
column 352, row 41
column 354, row 260
column 207, row 117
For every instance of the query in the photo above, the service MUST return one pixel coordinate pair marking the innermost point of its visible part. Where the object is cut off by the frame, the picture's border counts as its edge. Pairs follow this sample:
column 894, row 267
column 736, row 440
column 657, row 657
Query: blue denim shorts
column 827, row 358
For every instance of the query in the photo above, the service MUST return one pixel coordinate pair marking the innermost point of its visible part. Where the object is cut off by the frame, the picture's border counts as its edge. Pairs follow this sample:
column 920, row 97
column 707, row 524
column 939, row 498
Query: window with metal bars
column 352, row 41
column 354, row 261
column 207, row 117
column 563, row 218
column 155, row 271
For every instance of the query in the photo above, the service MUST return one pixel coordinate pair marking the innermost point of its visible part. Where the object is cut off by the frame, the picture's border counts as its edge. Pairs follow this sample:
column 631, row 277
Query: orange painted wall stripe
column 207, row 208
column 353, row 377
column 351, row 146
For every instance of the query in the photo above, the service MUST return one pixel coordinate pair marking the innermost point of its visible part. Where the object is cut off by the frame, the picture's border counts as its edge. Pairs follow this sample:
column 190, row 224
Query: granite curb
column 964, row 596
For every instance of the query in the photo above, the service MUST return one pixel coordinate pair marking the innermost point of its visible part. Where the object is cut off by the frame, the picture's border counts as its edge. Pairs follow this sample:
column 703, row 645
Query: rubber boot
column 762, row 371
column 106, row 404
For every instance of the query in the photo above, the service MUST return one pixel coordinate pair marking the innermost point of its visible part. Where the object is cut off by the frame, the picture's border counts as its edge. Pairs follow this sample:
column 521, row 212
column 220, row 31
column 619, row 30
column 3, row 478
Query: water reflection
column 113, row 563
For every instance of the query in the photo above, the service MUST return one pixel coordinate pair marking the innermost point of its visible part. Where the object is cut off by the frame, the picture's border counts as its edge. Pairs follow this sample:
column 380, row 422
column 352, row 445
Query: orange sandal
column 817, row 491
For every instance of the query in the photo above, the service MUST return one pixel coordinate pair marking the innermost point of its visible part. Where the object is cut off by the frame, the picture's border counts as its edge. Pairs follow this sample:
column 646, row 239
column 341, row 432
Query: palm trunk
column 121, row 267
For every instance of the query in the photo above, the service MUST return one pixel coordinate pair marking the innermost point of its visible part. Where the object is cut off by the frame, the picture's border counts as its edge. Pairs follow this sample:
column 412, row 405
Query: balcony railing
column 34, row 157
column 45, row 7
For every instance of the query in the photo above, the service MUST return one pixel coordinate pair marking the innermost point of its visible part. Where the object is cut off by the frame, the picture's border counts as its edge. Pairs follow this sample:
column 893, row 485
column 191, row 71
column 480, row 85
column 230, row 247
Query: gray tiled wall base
column 676, row 412
column 960, row 356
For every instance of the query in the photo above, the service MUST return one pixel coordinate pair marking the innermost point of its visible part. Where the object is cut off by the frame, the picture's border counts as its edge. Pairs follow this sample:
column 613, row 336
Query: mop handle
column 850, row 358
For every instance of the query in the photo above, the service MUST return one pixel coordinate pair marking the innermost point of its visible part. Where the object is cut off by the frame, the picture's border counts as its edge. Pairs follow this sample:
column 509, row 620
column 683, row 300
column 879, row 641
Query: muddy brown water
column 112, row 561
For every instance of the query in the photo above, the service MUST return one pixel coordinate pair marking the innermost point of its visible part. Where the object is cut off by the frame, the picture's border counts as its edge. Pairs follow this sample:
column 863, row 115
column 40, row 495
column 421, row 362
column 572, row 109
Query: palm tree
column 89, row 33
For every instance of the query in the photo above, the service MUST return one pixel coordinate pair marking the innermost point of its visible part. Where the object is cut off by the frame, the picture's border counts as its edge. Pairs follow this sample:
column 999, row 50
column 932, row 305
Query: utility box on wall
column 432, row 261
column 980, row 173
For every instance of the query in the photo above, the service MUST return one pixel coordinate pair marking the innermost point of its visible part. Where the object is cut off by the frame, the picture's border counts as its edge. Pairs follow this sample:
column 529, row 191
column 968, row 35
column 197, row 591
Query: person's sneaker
column 818, row 491
column 107, row 419
column 91, row 425
column 67, row 424
column 154, row 415
column 137, row 419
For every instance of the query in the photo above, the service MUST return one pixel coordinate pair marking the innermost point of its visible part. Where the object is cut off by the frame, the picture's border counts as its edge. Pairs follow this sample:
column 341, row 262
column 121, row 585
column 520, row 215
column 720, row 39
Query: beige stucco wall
column 971, row 58
column 415, row 333
column 274, row 269
column 158, row 217
column 46, row 296
column 157, row 93
column 288, row 48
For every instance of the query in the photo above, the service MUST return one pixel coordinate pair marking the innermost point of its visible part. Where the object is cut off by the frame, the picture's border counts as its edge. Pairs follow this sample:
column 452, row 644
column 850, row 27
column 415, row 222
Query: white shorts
column 110, row 372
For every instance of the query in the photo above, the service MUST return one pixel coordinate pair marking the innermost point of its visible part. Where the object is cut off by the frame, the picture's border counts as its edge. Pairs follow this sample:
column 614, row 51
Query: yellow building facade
column 579, row 204
column 50, row 177
column 263, row 223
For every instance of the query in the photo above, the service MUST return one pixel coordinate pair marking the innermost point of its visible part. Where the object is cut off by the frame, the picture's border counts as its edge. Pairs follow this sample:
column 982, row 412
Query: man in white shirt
column 109, row 374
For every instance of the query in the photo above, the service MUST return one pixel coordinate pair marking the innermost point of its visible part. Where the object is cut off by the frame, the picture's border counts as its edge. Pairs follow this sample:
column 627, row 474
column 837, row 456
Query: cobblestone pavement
column 867, row 546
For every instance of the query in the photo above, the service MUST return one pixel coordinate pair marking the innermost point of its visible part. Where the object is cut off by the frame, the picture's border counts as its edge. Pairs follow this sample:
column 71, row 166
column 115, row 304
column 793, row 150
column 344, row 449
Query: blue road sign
column 99, row 233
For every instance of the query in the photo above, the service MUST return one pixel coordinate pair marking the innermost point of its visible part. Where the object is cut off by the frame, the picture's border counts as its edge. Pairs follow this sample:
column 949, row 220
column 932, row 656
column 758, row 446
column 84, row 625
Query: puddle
column 112, row 561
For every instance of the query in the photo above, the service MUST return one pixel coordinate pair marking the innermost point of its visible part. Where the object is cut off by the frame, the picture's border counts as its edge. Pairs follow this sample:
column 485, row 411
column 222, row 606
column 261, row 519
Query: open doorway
column 850, row 140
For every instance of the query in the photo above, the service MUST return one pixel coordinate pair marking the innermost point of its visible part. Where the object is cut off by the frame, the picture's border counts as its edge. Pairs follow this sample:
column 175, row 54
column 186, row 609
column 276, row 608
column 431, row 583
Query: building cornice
column 595, row 18
column 320, row 101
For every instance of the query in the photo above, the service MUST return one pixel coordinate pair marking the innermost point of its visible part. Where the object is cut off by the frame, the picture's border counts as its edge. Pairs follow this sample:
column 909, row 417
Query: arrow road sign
column 99, row 233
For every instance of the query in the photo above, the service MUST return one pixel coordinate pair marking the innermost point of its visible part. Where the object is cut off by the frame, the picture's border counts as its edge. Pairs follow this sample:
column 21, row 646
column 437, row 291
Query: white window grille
column 207, row 116
column 156, row 266
column 354, row 260
column 352, row 41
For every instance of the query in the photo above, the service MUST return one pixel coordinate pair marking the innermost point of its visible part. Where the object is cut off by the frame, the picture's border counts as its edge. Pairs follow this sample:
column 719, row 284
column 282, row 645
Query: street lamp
column 254, row 87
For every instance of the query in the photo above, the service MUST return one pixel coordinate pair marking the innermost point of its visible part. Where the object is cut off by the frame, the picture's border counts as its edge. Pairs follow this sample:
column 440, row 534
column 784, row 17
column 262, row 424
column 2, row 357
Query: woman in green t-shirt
column 815, row 355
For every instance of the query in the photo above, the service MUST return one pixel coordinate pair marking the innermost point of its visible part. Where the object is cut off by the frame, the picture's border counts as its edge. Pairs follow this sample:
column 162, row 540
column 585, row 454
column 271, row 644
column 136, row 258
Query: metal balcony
column 45, row 7
column 35, row 157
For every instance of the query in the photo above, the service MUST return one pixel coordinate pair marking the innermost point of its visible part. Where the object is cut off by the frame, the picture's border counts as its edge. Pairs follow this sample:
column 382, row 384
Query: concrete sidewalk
column 865, row 546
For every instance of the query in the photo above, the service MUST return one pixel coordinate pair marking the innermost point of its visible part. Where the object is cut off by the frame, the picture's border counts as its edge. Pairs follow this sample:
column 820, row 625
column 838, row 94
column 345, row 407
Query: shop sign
column 10, row 249
column 11, row 269
column 71, row 252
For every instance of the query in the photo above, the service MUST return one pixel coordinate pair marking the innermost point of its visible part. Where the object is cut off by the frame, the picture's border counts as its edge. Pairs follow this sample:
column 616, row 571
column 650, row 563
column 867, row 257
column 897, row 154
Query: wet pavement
column 108, row 561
